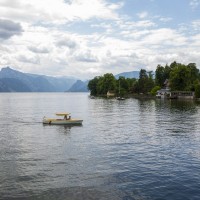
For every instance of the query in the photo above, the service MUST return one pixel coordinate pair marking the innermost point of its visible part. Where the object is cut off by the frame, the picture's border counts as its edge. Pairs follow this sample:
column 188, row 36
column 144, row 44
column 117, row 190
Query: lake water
column 130, row 150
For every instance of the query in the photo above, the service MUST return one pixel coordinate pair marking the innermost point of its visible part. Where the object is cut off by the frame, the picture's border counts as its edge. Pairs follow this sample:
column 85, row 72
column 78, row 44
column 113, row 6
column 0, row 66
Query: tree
column 145, row 82
column 173, row 65
column 180, row 77
column 106, row 83
column 92, row 86
column 160, row 75
column 194, row 75
column 109, row 82
column 197, row 90
column 163, row 73
column 100, row 86
column 150, row 82
column 167, row 72
column 183, row 77
column 131, row 82
column 143, row 77
column 122, row 86
column 143, row 74
column 154, row 90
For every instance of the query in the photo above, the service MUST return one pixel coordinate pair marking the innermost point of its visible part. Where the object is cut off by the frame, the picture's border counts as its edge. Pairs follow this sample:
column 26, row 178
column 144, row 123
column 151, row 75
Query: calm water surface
column 132, row 149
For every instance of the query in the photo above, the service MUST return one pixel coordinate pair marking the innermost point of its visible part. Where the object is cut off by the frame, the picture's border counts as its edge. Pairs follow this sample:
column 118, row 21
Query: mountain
column 14, row 81
column 132, row 74
column 35, row 84
column 13, row 85
column 60, row 84
column 79, row 86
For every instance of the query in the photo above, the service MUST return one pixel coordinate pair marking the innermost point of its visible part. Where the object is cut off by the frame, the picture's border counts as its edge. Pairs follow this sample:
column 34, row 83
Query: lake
column 131, row 150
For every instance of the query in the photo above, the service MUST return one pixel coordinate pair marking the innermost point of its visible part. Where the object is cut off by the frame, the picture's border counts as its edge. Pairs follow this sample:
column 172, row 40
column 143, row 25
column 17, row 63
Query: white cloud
column 194, row 3
column 130, row 25
column 38, row 49
column 165, row 36
column 195, row 42
column 28, row 58
column 86, row 56
column 196, row 25
column 142, row 15
column 85, row 38
column 67, row 42
column 165, row 19
column 59, row 11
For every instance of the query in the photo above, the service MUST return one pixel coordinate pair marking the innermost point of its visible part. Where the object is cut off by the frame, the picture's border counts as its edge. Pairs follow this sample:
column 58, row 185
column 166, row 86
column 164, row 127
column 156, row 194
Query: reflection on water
column 132, row 149
column 179, row 116
column 63, row 129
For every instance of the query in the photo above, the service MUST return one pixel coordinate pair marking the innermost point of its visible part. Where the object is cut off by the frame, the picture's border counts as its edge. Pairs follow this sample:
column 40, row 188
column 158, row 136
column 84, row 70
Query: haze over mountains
column 133, row 74
column 14, row 81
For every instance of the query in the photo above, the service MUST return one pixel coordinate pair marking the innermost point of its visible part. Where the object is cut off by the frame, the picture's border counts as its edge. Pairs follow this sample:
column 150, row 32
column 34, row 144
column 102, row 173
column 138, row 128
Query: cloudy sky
column 85, row 38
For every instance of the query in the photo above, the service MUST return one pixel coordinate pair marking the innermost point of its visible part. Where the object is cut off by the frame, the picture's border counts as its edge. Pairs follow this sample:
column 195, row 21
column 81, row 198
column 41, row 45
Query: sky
column 88, row 38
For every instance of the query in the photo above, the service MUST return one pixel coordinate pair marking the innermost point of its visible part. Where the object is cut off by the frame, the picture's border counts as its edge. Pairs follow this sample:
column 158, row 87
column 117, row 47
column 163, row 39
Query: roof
column 164, row 90
column 62, row 114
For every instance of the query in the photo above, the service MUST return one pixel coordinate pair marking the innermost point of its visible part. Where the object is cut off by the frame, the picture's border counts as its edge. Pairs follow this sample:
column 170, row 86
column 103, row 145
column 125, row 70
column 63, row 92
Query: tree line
column 177, row 76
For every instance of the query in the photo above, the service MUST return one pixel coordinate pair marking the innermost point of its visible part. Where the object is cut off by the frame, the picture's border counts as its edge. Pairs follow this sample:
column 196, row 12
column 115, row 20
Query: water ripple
column 135, row 149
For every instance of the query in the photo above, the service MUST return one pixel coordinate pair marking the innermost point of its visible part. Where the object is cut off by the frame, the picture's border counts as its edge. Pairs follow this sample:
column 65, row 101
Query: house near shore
column 163, row 93
column 182, row 95
column 110, row 94
column 166, row 93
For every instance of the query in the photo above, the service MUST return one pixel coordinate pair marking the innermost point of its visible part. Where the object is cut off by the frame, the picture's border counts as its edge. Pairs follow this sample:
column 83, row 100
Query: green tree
column 130, row 82
column 167, row 72
column 145, row 82
column 183, row 77
column 194, row 75
column 100, row 86
column 154, row 90
column 122, row 86
column 150, row 82
column 197, row 90
column 163, row 73
column 92, row 86
column 143, row 74
column 106, row 83
column 173, row 65
column 160, row 75
column 180, row 77
column 143, row 77
column 136, row 88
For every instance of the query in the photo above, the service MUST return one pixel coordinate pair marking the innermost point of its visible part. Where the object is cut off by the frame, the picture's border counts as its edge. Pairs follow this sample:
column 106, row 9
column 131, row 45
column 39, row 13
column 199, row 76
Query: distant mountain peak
column 8, row 68
column 79, row 86
column 14, row 81
column 132, row 74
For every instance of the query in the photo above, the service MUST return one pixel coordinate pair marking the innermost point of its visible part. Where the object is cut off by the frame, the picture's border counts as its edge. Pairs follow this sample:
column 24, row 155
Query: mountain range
column 133, row 74
column 15, row 81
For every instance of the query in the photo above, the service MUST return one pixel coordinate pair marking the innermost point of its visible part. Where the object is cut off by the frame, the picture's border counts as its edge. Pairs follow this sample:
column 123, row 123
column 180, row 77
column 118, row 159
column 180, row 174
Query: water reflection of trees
column 146, row 105
column 176, row 116
column 146, row 116
column 183, row 106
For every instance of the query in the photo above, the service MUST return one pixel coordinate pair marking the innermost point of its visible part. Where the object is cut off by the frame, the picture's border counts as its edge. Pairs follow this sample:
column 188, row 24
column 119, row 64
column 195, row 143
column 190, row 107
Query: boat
column 119, row 97
column 66, row 120
column 92, row 97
